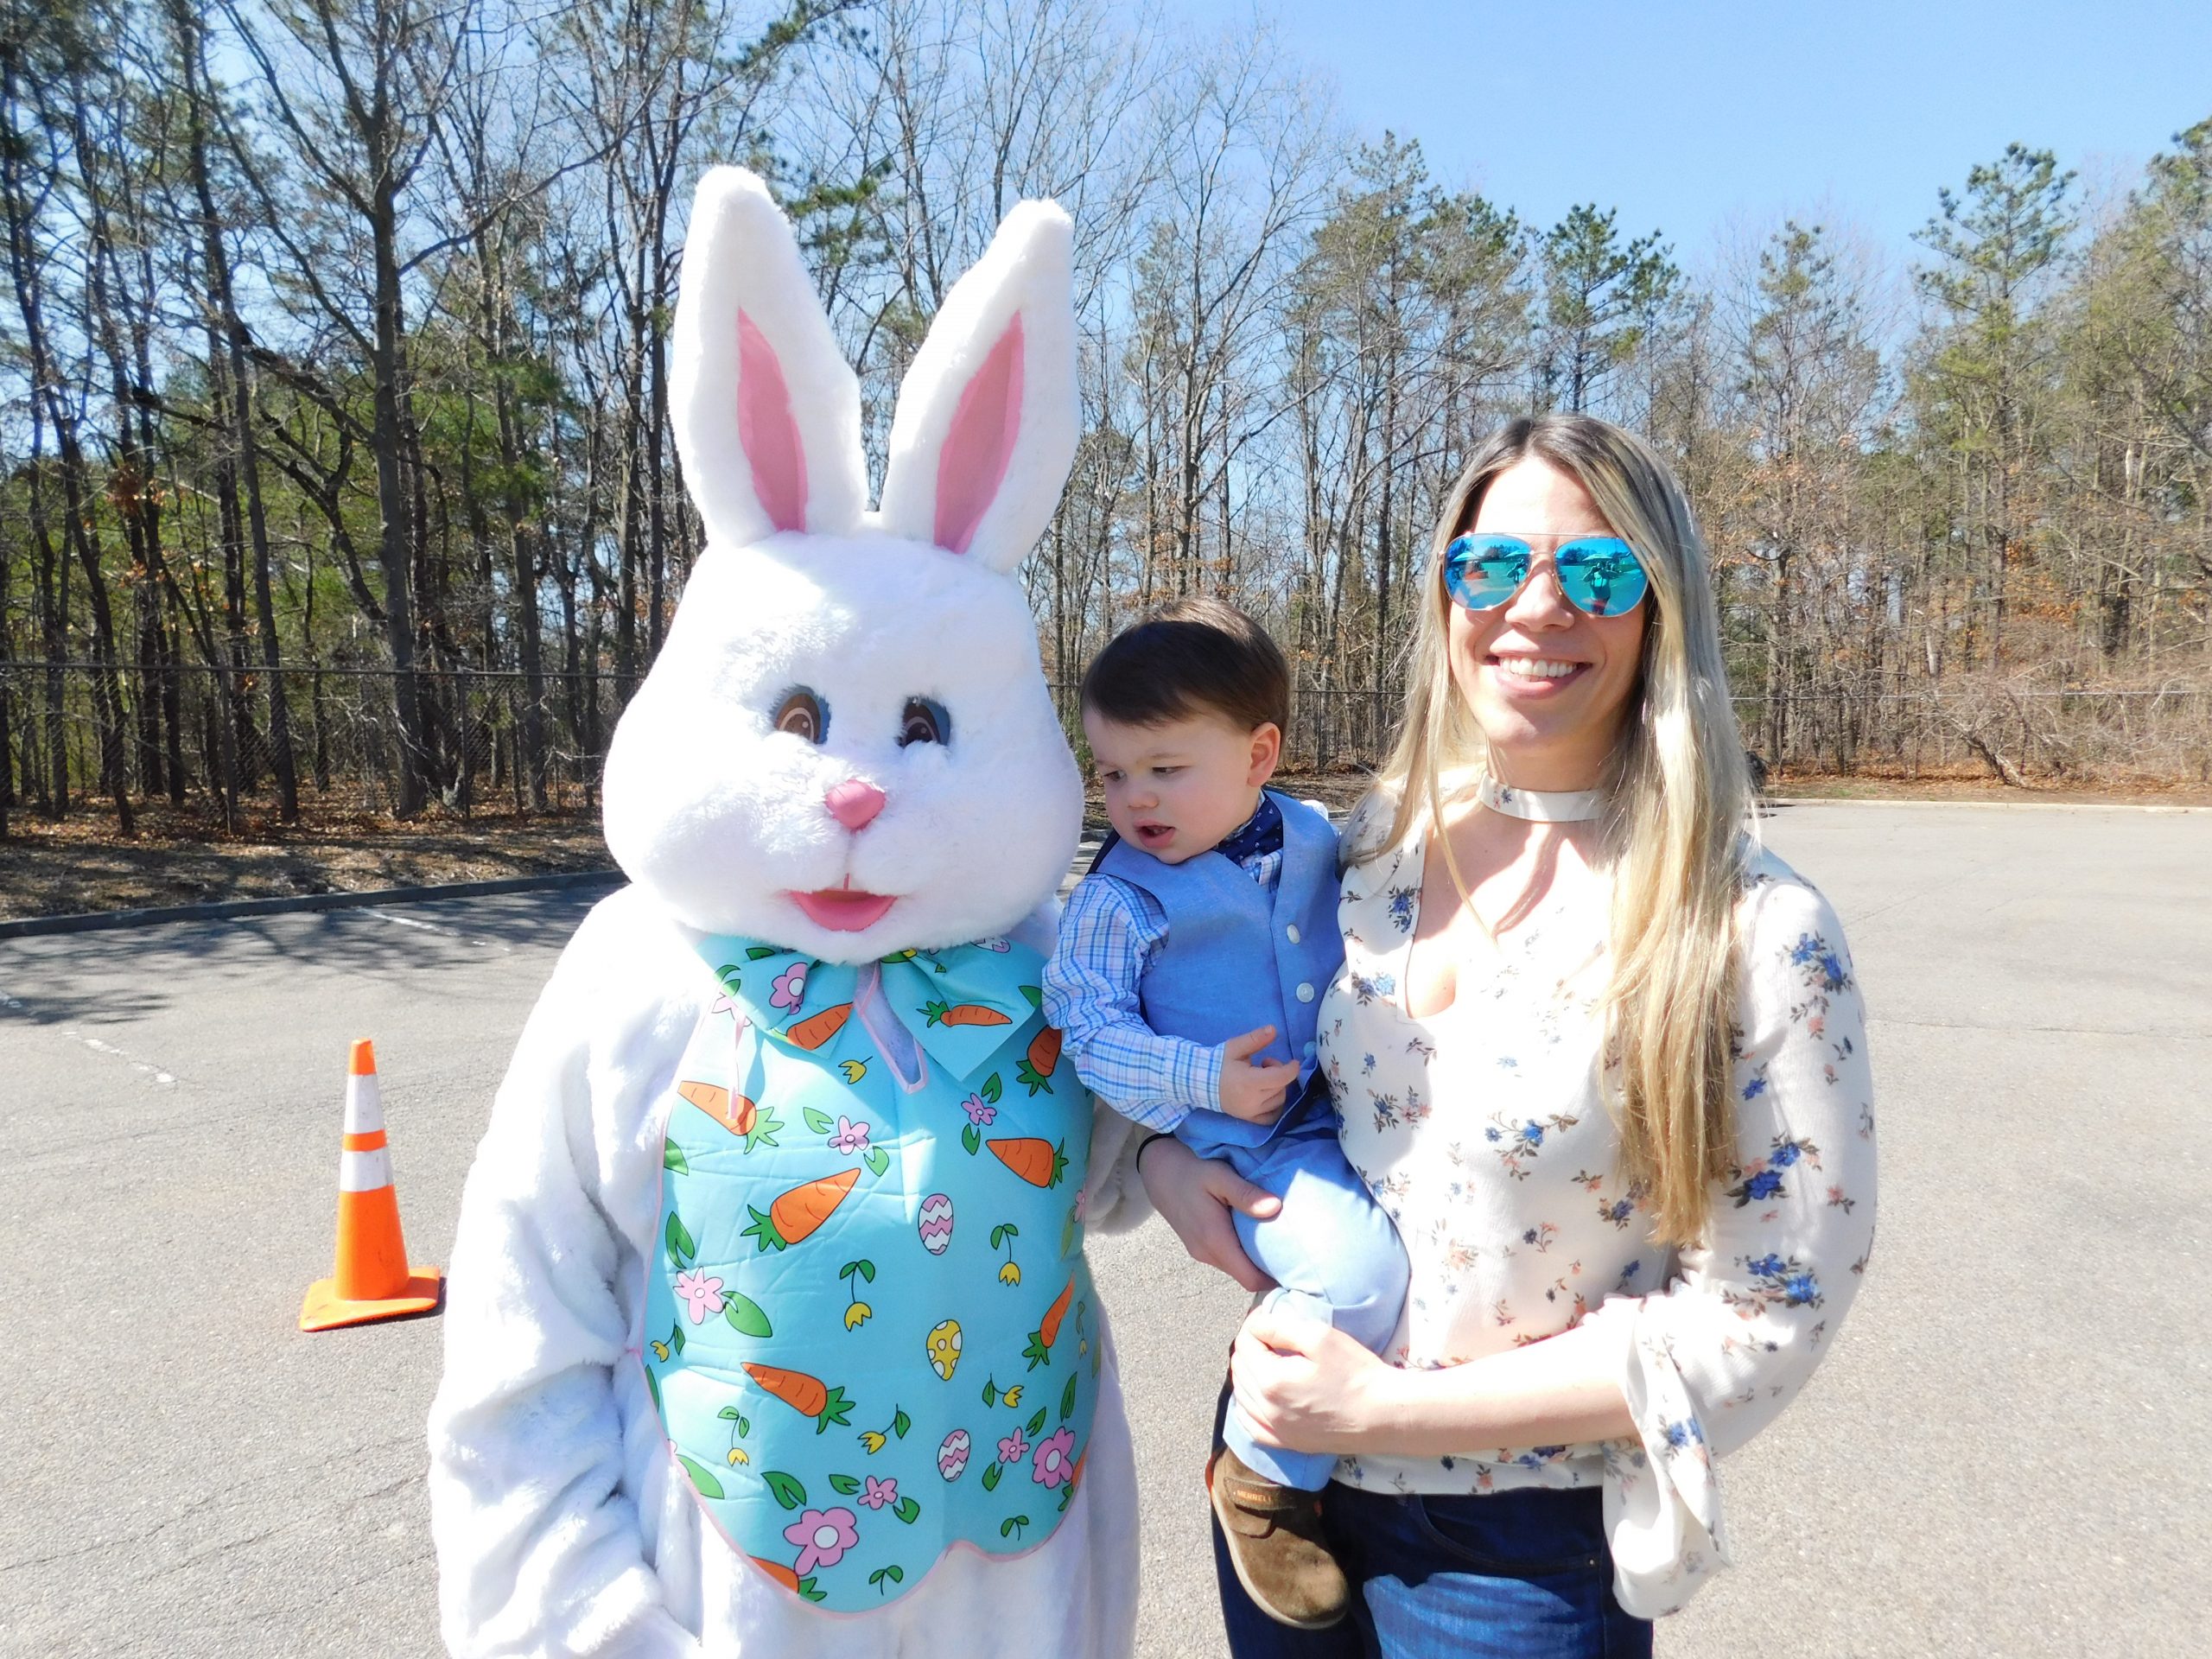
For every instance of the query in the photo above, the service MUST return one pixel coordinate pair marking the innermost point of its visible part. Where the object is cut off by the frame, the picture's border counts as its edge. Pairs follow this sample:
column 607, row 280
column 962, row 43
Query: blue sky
column 1695, row 115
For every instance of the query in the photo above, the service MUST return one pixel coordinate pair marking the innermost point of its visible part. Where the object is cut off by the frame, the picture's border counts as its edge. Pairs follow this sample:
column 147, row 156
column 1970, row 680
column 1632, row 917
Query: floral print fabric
column 1483, row 1133
column 869, row 1267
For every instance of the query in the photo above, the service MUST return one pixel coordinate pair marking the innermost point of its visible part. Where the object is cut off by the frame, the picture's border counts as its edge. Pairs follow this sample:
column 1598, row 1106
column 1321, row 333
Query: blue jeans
column 1333, row 1251
column 1518, row 1574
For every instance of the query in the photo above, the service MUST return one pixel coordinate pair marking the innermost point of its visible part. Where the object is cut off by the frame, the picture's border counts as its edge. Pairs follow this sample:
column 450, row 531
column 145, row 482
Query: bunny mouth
column 842, row 909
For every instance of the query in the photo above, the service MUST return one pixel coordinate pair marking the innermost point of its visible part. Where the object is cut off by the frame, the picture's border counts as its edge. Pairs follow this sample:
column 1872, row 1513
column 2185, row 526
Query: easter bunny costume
column 768, row 1328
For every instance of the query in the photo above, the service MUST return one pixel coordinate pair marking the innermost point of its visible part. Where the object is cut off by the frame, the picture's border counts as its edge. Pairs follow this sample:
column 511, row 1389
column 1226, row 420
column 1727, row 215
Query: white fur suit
column 847, row 748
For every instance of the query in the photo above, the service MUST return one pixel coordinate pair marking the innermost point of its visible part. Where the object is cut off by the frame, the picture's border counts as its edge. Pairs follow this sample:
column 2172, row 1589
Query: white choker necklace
column 1540, row 806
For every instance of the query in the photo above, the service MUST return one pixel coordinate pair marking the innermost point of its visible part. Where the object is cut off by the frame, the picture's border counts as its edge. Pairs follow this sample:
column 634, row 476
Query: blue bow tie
column 1261, row 833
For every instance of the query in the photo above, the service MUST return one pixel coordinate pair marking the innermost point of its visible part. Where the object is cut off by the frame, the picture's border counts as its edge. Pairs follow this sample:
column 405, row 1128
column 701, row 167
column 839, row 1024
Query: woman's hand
column 1195, row 1196
column 1308, row 1387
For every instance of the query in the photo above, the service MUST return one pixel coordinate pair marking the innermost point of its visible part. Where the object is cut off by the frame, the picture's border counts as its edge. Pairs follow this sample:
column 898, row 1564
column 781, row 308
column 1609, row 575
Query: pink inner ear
column 973, row 463
column 767, row 429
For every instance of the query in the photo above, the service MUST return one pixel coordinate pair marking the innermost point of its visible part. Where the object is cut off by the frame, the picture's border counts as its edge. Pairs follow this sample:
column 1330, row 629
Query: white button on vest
column 1305, row 993
column 1291, row 932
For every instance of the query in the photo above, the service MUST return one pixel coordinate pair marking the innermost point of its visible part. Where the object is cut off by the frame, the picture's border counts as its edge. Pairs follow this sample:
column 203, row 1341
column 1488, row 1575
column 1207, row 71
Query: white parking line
column 111, row 1050
column 403, row 921
column 432, row 927
column 99, row 1045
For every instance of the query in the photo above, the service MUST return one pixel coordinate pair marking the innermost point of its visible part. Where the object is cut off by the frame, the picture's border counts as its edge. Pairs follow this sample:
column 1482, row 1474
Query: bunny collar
column 958, row 1005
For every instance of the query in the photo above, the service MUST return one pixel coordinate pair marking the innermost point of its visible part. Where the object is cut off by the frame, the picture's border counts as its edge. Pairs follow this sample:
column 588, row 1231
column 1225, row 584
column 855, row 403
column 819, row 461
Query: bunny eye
column 923, row 721
column 802, row 715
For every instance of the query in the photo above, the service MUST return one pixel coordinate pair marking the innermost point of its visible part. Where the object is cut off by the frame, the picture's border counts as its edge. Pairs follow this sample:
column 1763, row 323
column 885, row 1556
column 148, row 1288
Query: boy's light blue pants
column 1330, row 1249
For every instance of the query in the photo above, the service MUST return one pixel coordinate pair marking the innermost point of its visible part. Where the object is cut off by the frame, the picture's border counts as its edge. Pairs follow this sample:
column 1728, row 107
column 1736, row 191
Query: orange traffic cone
column 372, row 1280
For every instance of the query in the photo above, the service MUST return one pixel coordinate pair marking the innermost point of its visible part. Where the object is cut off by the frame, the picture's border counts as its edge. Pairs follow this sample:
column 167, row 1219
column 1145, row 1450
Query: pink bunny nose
column 854, row 803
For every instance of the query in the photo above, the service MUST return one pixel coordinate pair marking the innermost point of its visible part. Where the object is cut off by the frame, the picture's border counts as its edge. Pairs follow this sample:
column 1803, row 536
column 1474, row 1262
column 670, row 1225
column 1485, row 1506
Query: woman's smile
column 1532, row 677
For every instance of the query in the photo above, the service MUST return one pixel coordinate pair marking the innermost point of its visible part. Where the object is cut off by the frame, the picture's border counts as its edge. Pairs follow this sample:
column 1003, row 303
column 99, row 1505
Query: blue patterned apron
column 870, row 1333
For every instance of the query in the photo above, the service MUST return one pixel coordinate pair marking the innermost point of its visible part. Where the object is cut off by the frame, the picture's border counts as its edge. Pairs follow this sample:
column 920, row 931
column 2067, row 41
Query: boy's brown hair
column 1194, row 656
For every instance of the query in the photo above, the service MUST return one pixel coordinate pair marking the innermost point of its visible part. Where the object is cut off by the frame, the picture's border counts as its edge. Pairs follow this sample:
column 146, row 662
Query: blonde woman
column 1600, row 1057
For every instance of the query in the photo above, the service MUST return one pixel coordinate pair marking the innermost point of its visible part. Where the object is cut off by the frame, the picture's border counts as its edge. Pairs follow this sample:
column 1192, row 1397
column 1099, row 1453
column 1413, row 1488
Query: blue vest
column 1237, row 956
column 870, row 1334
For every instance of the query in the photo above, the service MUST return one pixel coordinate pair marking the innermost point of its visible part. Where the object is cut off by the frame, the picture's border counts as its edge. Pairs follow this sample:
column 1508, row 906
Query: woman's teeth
column 1536, row 667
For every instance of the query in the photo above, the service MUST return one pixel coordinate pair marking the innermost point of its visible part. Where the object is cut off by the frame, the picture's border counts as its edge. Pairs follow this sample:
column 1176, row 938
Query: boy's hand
column 1254, row 1092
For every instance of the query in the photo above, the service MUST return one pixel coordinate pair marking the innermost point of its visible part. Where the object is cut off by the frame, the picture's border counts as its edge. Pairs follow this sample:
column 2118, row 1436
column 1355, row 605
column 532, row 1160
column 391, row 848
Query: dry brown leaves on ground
column 178, row 857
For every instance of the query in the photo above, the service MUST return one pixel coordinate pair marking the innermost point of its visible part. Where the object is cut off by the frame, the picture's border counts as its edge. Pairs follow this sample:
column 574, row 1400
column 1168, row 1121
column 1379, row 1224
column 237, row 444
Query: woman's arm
column 1195, row 1196
column 1312, row 1388
column 1754, row 1306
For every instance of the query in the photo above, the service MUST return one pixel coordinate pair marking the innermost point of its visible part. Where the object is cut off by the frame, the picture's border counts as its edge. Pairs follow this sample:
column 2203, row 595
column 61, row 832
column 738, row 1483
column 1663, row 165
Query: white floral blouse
column 1481, row 1131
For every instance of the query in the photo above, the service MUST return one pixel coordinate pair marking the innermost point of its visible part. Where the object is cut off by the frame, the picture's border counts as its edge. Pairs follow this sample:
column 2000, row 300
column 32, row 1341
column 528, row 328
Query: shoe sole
column 1237, row 1566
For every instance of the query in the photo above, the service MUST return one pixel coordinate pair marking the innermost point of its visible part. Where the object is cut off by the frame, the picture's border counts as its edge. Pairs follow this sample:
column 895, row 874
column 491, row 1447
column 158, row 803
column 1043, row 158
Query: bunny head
column 846, row 745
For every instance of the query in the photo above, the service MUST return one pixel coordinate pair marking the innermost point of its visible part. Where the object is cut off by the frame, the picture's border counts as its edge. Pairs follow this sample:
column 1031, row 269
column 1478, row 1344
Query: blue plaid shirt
column 1107, row 934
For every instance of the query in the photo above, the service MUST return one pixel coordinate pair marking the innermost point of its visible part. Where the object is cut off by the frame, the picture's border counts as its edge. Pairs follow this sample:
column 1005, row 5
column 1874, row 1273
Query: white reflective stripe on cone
column 364, row 1105
column 364, row 1171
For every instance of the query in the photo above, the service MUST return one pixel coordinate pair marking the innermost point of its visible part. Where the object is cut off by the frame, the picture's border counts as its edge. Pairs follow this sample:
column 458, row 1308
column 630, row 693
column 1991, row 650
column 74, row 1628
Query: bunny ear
column 987, row 419
column 766, row 410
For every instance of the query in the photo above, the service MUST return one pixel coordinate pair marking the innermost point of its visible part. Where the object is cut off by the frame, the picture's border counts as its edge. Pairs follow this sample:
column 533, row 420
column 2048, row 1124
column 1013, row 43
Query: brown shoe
column 1276, row 1545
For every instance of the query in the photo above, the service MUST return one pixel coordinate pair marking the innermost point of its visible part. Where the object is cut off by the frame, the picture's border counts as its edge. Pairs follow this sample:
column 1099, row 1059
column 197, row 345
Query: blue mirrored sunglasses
column 1599, row 574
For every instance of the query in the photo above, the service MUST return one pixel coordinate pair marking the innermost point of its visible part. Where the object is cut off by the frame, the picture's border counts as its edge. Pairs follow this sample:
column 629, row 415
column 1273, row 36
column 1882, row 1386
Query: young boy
column 1189, row 972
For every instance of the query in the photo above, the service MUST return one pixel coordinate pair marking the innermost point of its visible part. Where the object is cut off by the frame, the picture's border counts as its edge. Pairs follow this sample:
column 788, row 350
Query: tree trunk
column 395, row 554
column 24, row 262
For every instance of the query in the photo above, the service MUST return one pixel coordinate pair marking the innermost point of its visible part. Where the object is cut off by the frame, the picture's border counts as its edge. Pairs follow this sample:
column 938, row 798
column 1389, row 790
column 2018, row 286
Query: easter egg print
column 942, row 1345
column 952, row 1456
column 936, row 1223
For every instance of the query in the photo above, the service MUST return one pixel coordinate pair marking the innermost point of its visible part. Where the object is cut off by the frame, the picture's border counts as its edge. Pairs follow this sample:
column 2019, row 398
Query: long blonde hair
column 1673, row 837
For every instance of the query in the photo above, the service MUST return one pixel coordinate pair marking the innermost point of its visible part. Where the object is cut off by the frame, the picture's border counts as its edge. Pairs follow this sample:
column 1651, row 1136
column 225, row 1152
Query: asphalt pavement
column 2004, row 1454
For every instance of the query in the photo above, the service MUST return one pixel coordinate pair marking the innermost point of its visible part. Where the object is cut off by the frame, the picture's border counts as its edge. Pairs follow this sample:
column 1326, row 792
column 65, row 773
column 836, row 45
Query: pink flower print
column 1055, row 1460
column 850, row 1136
column 704, row 1295
column 789, row 986
column 822, row 1537
column 978, row 1114
column 1013, row 1448
column 881, row 1492
column 1000, row 945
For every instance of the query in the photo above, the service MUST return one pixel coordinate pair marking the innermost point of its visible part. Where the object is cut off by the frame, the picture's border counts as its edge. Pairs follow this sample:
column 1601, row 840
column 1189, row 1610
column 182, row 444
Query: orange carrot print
column 735, row 1113
column 964, row 1013
column 1037, row 1162
column 789, row 1578
column 818, row 1028
column 1049, row 1329
column 805, row 1395
column 1039, row 1351
column 1036, row 1070
column 709, row 1098
column 797, row 1213
column 778, row 1572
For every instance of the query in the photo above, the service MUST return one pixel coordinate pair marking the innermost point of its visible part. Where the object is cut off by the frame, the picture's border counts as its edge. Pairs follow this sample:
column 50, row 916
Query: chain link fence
column 193, row 735
column 1991, row 726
